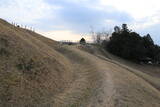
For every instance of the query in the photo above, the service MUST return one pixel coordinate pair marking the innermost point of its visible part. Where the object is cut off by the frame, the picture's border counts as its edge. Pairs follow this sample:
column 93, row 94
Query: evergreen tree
column 82, row 41
column 130, row 45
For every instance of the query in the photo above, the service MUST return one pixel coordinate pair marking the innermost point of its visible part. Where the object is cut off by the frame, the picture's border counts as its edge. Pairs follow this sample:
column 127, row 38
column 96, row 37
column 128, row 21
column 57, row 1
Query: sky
column 73, row 19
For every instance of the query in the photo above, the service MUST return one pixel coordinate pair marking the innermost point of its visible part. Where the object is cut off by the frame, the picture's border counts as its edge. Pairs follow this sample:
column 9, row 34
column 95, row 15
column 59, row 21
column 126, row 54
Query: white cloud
column 146, row 22
column 24, row 11
column 137, row 8
column 144, row 12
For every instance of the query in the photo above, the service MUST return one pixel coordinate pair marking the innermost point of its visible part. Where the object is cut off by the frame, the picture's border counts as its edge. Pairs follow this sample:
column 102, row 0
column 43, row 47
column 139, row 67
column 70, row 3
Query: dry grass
column 150, row 73
column 31, row 71
column 39, row 72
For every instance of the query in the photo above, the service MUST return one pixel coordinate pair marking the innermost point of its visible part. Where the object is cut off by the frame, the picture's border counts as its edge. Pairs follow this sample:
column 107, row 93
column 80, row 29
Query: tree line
column 130, row 45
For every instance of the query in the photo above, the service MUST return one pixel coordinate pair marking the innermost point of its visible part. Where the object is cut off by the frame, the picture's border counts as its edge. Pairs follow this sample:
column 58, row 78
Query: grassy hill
column 38, row 72
column 31, row 71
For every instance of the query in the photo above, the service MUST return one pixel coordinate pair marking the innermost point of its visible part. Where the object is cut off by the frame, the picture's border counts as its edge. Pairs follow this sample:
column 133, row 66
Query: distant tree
column 130, row 45
column 82, row 41
column 92, row 34
column 124, row 27
column 149, row 45
column 117, row 29
column 98, row 37
column 148, row 40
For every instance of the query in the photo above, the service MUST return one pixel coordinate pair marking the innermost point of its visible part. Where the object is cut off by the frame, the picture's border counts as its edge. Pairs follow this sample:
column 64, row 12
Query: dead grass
column 31, row 71
column 149, row 73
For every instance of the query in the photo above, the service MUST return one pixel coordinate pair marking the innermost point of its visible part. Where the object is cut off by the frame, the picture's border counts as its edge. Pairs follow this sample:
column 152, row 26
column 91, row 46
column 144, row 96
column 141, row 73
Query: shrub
column 25, row 65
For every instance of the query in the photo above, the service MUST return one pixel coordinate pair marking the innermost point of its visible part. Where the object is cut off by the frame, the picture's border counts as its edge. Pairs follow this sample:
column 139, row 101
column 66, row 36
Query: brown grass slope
column 32, row 73
column 39, row 72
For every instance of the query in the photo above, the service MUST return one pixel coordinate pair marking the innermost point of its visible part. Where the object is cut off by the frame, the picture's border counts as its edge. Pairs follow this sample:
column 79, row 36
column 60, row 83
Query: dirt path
column 101, row 83
column 129, row 86
column 93, row 86
column 130, row 90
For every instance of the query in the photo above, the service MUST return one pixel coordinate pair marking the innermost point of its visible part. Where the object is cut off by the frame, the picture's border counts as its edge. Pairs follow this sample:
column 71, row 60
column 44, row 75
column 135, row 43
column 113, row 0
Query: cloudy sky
column 72, row 19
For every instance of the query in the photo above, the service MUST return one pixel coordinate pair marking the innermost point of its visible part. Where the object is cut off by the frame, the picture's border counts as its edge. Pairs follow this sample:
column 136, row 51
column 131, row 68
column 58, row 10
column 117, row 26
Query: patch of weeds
column 25, row 65
column 29, row 64
column 7, row 81
column 3, row 47
column 4, row 52
column 31, row 68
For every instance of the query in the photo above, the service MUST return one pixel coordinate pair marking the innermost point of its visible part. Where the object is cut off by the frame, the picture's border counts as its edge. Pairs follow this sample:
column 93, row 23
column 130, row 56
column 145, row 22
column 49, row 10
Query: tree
column 157, row 58
column 127, row 44
column 117, row 29
column 124, row 27
column 82, row 41
column 130, row 45
column 149, row 45
column 148, row 40
column 98, row 38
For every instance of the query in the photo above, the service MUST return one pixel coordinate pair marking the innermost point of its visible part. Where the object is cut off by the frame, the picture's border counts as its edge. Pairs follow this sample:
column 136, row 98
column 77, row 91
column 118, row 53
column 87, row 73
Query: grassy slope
column 150, row 73
column 59, row 76
column 48, row 72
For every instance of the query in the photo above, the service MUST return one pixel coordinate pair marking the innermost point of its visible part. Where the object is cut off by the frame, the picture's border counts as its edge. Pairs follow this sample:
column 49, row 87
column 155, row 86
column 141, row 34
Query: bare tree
column 92, row 34
column 98, row 37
